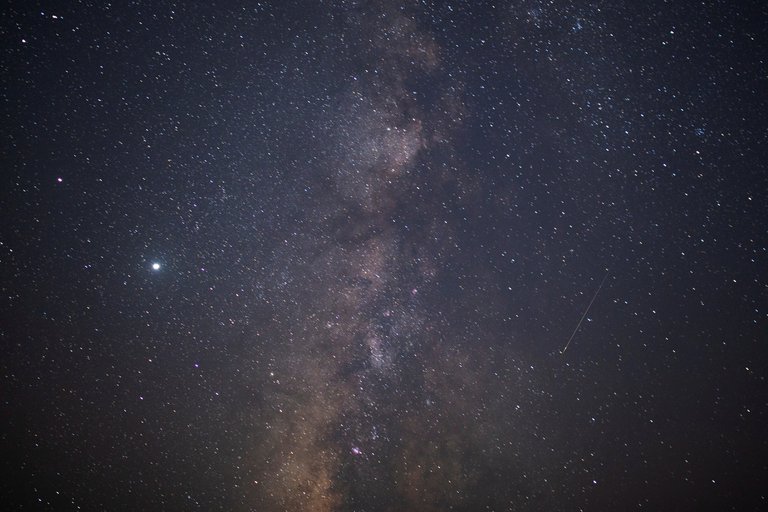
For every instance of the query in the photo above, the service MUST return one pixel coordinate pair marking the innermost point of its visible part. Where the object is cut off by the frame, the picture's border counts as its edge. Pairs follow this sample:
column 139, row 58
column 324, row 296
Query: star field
column 329, row 256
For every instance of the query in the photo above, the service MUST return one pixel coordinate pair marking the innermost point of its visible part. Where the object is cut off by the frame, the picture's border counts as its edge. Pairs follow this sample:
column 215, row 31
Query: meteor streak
column 585, row 313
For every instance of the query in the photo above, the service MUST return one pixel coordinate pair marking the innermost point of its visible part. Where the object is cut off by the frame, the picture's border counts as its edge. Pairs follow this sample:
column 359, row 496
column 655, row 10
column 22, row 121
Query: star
column 156, row 266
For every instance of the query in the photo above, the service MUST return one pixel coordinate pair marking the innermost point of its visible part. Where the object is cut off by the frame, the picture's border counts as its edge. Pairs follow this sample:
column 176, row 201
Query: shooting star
column 585, row 313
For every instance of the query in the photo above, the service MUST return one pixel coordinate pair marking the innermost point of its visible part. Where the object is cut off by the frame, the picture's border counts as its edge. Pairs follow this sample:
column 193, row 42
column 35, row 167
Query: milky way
column 357, row 412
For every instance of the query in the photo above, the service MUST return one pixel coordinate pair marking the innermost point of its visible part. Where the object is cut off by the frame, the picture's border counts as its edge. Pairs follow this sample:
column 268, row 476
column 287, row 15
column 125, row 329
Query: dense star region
column 384, row 256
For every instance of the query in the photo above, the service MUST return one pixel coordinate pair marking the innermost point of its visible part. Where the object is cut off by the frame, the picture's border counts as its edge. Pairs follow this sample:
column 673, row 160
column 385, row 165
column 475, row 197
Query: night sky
column 327, row 255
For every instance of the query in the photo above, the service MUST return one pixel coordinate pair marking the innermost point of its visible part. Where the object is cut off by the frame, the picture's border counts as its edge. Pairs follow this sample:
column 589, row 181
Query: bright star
column 155, row 266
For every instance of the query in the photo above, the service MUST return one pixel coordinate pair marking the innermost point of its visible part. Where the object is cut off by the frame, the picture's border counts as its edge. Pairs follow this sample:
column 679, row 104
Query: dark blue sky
column 325, row 256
